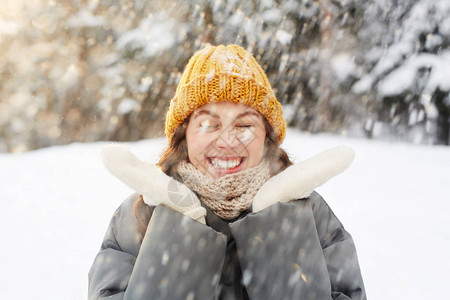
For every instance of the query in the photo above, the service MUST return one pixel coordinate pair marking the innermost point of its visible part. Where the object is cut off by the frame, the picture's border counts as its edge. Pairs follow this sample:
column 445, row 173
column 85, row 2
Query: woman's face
column 224, row 138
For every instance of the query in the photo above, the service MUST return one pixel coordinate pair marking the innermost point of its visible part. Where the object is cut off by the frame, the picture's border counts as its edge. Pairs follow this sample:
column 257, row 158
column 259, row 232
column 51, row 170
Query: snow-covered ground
column 394, row 200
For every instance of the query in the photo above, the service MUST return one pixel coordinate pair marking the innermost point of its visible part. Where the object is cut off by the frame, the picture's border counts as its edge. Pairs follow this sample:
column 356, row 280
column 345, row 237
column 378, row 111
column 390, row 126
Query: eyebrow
column 198, row 113
column 248, row 113
column 201, row 112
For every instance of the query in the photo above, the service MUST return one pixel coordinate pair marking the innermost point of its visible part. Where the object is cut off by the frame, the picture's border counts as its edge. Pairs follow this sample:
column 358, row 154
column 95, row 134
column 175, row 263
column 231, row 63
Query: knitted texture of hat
column 224, row 73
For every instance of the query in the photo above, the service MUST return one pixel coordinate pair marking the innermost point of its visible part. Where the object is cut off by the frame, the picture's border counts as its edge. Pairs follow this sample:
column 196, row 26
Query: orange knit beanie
column 224, row 73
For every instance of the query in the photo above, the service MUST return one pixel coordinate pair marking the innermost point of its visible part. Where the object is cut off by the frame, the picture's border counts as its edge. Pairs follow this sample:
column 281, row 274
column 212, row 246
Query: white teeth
column 225, row 164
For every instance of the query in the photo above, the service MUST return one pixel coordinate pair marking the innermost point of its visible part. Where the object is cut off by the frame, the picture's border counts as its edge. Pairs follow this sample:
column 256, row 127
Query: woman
column 228, row 217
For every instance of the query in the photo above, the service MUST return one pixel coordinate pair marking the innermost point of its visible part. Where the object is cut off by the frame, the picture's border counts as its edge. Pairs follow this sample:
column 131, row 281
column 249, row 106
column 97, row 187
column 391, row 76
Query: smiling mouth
column 225, row 164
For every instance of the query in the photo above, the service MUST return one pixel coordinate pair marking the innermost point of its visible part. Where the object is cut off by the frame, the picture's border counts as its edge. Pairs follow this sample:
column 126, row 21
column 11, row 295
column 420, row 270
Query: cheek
column 190, row 142
column 196, row 144
column 256, row 149
column 194, row 150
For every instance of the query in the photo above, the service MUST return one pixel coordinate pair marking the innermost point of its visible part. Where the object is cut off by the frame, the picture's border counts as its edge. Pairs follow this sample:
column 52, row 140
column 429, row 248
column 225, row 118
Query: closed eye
column 207, row 125
column 244, row 126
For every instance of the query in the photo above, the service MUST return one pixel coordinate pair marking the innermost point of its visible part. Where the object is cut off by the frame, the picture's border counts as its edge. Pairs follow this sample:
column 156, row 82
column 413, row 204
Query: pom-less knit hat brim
column 224, row 73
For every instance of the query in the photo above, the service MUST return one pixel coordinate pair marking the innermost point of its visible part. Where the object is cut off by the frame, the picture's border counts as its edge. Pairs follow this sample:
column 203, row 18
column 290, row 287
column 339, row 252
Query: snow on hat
column 224, row 73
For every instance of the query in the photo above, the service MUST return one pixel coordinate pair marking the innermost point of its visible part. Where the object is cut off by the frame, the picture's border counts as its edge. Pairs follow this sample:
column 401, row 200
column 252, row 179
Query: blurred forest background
column 83, row 71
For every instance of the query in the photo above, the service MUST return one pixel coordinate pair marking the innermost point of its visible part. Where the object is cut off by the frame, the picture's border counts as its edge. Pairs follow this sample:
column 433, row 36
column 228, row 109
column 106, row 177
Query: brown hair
column 177, row 151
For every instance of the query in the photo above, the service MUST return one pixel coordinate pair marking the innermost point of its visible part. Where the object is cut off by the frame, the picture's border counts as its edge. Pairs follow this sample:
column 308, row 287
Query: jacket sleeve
column 339, row 252
column 113, row 265
column 281, row 253
column 178, row 257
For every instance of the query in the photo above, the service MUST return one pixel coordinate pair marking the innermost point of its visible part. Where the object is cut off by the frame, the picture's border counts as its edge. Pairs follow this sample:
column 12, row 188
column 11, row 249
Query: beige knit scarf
column 228, row 195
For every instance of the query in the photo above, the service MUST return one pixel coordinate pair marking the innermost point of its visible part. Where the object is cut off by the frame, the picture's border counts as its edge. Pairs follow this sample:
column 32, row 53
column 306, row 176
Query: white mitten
column 298, row 181
column 154, row 185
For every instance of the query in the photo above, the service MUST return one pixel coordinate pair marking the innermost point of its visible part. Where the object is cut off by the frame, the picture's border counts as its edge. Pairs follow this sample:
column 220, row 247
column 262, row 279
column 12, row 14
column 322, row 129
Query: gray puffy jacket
column 295, row 250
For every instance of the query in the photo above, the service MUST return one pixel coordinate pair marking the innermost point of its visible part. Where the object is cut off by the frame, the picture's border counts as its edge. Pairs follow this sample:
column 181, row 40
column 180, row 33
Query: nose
column 227, row 138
